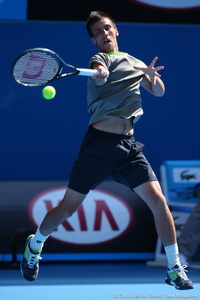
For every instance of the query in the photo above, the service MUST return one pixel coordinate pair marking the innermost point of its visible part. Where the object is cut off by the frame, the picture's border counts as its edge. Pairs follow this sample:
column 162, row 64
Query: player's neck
column 113, row 49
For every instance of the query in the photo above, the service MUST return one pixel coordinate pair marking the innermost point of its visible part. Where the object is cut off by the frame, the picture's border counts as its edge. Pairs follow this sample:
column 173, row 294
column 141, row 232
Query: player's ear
column 117, row 32
column 93, row 41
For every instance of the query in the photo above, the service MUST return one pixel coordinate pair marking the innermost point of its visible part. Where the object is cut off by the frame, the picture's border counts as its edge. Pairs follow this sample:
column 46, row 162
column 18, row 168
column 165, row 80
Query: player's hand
column 150, row 70
column 101, row 77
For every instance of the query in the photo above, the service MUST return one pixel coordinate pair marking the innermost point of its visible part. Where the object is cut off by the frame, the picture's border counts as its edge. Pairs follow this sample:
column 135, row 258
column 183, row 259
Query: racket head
column 36, row 66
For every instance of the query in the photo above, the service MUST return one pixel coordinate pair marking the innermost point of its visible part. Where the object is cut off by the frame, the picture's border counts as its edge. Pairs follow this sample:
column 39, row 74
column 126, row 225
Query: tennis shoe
column 30, row 263
column 177, row 277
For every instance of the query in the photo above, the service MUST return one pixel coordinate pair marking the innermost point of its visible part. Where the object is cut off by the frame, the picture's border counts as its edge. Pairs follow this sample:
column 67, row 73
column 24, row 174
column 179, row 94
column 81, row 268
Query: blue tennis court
column 94, row 281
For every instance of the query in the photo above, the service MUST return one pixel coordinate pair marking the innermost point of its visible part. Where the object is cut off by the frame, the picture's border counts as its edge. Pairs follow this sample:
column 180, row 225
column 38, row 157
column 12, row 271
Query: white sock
column 37, row 241
column 172, row 253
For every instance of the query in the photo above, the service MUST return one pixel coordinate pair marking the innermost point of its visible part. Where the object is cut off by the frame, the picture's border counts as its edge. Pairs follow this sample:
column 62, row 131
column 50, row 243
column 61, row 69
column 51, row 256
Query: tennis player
column 109, row 148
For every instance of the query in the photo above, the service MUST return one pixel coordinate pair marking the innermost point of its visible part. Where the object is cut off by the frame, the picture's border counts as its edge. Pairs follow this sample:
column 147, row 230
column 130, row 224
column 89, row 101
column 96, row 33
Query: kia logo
column 102, row 217
column 176, row 4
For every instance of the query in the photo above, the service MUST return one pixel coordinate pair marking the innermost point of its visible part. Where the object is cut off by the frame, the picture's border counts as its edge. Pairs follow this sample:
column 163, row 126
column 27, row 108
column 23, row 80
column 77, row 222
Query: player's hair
column 96, row 16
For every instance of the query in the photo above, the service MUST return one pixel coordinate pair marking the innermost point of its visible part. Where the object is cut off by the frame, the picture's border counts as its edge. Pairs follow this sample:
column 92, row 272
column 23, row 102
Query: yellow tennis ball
column 48, row 92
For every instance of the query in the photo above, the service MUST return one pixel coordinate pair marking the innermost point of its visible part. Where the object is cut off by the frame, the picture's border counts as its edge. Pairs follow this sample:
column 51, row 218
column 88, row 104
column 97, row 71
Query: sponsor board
column 182, row 175
column 113, row 224
column 181, row 181
column 101, row 218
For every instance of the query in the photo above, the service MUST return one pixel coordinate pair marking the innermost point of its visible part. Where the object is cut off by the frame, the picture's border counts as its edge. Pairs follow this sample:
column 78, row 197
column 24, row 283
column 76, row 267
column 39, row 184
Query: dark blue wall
column 40, row 139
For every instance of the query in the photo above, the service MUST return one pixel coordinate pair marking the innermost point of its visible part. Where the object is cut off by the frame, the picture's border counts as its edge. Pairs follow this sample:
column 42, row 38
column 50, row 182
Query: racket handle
column 88, row 72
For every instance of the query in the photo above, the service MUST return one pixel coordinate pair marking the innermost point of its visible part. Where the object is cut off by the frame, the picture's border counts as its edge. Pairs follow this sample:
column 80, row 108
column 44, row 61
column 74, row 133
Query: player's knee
column 69, row 205
column 158, row 203
column 162, row 203
column 68, row 210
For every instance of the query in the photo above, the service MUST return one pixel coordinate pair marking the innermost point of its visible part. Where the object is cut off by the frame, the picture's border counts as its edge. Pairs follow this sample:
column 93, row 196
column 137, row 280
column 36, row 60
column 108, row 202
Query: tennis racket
column 39, row 66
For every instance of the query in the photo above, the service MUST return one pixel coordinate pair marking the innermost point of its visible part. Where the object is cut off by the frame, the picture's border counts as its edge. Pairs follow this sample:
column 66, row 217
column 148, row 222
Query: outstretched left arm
column 152, row 82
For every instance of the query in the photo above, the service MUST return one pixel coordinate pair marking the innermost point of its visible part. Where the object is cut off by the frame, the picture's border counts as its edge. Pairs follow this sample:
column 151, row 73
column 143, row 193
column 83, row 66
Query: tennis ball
column 48, row 92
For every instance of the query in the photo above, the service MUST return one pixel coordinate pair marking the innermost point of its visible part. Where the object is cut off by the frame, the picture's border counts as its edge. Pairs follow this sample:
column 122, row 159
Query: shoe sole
column 186, row 287
column 25, row 276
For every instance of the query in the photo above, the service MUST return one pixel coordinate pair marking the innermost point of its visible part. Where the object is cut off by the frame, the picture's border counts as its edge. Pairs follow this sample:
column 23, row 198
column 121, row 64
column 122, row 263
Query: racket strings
column 36, row 68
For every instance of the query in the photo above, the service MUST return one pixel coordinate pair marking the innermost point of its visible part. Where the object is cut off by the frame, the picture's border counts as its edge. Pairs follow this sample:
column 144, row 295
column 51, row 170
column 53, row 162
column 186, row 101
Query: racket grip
column 88, row 72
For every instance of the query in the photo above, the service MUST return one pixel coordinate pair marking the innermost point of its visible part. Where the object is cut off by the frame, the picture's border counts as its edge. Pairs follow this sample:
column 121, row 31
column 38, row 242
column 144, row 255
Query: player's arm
column 153, row 85
column 151, row 81
column 101, row 78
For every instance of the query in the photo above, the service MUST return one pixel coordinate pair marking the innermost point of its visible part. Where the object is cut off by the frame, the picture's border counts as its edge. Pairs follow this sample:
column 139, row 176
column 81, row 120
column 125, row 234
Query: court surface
column 94, row 281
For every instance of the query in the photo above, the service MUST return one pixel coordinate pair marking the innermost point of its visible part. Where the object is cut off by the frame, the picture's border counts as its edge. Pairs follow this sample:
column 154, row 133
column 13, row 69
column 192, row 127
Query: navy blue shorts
column 104, row 154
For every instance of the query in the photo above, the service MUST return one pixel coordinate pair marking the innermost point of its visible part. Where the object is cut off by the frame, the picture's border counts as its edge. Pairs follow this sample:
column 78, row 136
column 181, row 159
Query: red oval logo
column 102, row 217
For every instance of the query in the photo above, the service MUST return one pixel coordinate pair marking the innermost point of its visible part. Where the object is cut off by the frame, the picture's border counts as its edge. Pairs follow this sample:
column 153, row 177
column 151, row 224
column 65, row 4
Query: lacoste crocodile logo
column 186, row 176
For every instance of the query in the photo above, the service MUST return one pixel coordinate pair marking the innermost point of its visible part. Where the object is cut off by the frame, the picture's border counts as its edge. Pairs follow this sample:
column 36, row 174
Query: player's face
column 105, row 35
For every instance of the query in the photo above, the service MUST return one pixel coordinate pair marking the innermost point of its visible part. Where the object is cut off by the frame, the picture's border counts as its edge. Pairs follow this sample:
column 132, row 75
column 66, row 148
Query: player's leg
column 34, row 243
column 70, row 203
column 151, row 193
